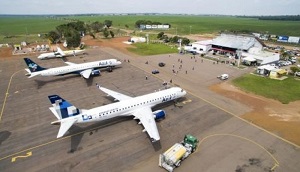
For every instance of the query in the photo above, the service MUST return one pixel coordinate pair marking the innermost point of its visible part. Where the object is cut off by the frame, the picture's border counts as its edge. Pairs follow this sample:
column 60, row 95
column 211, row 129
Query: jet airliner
column 84, row 69
column 140, row 107
column 59, row 53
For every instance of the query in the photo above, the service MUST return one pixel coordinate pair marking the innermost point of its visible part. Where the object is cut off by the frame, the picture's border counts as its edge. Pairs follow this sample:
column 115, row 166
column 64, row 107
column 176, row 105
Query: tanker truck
column 172, row 158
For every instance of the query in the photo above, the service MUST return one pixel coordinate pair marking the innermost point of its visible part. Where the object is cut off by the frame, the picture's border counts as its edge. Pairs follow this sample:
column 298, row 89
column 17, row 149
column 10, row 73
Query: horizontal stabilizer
column 65, row 125
column 33, row 74
column 70, row 64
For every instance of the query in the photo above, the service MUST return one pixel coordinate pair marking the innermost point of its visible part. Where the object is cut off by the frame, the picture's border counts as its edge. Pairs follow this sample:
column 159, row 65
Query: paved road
column 28, row 141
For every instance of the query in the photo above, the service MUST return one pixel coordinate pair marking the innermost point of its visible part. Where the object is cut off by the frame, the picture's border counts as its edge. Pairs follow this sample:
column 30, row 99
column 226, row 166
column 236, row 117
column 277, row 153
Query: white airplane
column 139, row 107
column 84, row 69
column 60, row 53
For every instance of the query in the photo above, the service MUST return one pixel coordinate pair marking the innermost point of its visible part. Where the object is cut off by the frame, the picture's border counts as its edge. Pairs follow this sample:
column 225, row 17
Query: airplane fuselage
column 125, row 108
column 77, row 67
column 57, row 54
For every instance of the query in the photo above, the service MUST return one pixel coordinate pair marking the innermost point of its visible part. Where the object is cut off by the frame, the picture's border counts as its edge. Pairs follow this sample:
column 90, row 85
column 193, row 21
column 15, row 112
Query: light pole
column 147, row 36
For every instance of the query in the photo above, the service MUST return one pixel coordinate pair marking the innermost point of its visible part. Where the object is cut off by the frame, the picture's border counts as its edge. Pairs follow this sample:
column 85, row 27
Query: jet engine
column 96, row 72
column 159, row 114
column 109, row 69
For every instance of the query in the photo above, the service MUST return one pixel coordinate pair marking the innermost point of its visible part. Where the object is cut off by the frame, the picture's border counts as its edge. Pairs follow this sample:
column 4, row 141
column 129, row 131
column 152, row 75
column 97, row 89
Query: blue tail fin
column 61, row 108
column 33, row 67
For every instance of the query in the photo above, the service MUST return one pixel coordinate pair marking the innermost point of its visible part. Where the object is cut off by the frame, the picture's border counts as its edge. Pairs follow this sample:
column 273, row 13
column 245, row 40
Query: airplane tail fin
column 63, row 110
column 32, row 66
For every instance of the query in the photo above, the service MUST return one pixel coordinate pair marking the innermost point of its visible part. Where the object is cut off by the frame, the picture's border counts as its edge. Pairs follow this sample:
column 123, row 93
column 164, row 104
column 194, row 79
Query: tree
column 108, row 23
column 160, row 35
column 53, row 37
column 284, row 55
column 174, row 39
column 61, row 29
column 295, row 69
column 73, row 38
column 112, row 34
column 105, row 33
column 185, row 41
column 96, row 26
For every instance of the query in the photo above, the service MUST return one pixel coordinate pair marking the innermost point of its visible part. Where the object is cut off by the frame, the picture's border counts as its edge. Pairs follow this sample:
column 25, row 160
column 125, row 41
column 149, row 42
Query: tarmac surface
column 227, row 143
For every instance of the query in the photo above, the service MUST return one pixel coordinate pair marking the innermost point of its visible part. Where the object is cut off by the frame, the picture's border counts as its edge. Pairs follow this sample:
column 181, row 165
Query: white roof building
column 236, row 42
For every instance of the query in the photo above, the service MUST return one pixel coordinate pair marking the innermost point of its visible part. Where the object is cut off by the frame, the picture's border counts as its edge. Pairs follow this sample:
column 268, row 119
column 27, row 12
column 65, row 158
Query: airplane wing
column 70, row 64
column 60, row 52
column 86, row 73
column 146, row 118
column 114, row 94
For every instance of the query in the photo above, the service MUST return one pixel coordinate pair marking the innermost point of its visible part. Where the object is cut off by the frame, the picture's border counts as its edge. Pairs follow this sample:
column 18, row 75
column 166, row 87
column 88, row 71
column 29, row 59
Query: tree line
column 282, row 18
column 73, row 31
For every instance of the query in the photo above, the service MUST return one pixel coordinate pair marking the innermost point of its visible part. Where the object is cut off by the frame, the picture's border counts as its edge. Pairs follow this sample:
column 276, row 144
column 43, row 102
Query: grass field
column 17, row 29
column 285, row 91
column 152, row 49
column 21, row 27
column 203, row 24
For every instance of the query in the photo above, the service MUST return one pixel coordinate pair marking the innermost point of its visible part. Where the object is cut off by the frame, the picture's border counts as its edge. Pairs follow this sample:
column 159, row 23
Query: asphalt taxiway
column 227, row 143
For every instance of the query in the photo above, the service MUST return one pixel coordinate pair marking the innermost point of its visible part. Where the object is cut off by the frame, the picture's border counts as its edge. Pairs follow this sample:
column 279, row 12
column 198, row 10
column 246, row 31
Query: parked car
column 155, row 71
column 292, row 61
column 223, row 76
column 297, row 73
column 161, row 64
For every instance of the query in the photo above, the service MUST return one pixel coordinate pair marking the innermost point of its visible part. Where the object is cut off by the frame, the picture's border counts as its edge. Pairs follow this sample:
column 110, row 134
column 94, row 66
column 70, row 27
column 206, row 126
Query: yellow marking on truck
column 28, row 154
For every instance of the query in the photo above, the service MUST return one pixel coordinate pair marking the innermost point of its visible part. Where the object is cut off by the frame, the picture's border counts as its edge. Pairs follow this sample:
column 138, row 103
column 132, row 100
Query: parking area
column 28, row 141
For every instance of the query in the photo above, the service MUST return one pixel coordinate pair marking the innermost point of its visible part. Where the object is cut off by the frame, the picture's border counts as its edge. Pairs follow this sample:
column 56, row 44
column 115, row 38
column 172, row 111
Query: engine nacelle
column 109, row 69
column 96, row 72
column 159, row 114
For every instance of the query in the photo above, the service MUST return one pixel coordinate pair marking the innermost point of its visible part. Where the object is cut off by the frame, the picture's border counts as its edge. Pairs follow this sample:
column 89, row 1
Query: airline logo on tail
column 32, row 66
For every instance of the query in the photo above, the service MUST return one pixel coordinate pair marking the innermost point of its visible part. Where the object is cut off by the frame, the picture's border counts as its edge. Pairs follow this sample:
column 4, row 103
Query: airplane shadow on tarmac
column 4, row 135
column 41, row 83
column 91, row 129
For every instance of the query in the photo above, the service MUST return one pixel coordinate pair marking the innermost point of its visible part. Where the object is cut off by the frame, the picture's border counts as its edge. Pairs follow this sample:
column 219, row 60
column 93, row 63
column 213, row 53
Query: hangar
column 251, row 49
column 226, row 43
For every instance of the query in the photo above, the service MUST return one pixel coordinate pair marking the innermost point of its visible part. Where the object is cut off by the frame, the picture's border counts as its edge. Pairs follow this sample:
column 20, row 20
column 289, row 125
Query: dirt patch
column 116, row 43
column 5, row 52
column 281, row 119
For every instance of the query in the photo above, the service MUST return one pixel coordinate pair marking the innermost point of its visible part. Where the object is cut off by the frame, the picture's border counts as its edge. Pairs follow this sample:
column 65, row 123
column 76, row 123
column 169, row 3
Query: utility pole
column 239, row 54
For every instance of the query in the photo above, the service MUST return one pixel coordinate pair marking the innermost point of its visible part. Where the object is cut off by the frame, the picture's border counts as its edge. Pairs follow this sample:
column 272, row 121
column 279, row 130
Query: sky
column 219, row 7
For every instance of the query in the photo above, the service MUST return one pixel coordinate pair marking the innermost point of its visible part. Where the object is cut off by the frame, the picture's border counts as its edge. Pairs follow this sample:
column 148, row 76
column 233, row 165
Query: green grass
column 203, row 24
column 17, row 29
column 144, row 49
column 180, row 24
column 285, row 91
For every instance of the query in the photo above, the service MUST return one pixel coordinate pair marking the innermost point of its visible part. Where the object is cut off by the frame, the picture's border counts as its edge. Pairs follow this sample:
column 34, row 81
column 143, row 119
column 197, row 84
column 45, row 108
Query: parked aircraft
column 139, row 107
column 84, row 69
column 60, row 53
